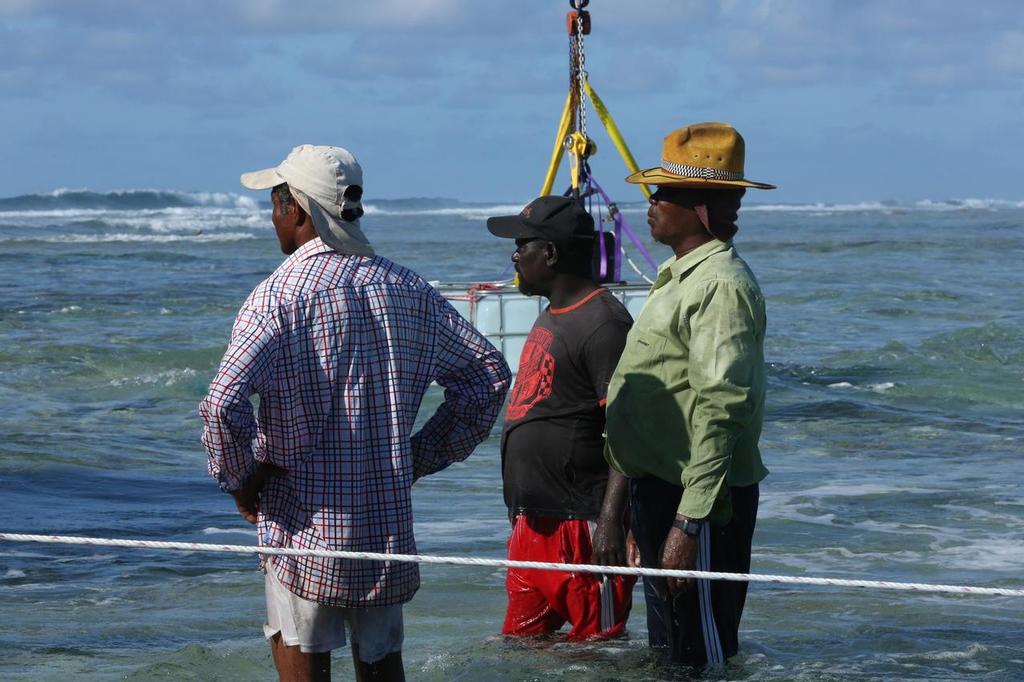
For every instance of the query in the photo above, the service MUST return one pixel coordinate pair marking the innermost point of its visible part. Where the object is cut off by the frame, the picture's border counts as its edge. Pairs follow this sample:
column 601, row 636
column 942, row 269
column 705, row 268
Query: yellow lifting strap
column 579, row 143
column 556, row 153
column 613, row 132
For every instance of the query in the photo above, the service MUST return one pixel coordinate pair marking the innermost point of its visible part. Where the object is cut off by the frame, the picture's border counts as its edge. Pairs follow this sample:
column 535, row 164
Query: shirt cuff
column 695, row 505
column 225, row 481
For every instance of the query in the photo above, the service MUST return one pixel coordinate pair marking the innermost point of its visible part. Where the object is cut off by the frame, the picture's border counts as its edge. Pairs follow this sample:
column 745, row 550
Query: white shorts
column 316, row 628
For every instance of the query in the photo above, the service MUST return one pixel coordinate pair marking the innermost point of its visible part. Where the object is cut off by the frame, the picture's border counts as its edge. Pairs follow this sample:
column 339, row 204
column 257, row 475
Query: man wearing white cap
column 340, row 345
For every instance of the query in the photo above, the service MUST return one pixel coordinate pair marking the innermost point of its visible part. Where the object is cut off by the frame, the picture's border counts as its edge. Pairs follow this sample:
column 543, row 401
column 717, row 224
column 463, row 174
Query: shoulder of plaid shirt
column 341, row 350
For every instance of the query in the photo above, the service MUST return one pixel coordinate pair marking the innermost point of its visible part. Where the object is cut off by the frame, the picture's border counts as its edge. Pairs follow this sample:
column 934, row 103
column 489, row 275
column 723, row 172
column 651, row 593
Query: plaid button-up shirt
column 340, row 350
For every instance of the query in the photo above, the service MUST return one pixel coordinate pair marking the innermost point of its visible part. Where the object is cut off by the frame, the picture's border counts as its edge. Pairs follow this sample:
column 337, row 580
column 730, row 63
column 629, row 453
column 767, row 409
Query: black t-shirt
column 552, row 450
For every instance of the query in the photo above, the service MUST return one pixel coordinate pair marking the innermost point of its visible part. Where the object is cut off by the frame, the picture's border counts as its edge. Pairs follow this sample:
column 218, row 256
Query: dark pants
column 702, row 624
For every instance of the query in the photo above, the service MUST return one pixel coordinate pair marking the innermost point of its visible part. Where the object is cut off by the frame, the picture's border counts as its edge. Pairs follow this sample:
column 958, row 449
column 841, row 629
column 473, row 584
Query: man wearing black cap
column 557, row 484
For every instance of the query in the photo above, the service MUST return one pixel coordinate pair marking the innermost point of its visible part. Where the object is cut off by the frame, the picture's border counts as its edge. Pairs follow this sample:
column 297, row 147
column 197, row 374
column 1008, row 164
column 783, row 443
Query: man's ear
column 550, row 254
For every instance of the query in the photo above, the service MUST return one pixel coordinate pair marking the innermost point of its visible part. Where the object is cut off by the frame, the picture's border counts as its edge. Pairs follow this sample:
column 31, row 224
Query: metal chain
column 573, row 92
column 581, row 73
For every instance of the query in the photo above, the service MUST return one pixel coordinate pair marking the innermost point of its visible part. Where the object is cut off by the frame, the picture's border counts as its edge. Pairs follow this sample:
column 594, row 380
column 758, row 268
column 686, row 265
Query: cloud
column 491, row 75
column 1006, row 53
column 929, row 45
column 258, row 16
column 753, row 43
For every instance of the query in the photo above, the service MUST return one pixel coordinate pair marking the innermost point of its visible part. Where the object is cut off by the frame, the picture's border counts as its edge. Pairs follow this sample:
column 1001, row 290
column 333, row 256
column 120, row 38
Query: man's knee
column 387, row 669
column 295, row 665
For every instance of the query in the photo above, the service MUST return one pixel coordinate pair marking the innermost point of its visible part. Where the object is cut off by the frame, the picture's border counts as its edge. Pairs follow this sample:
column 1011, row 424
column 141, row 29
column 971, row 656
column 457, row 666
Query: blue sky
column 839, row 101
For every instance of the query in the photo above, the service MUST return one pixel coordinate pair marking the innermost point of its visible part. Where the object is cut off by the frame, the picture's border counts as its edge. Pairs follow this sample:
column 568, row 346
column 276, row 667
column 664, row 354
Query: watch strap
column 691, row 527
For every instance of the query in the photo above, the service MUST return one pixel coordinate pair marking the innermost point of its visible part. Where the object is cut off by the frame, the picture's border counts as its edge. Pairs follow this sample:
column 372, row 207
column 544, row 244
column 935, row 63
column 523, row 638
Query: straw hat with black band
column 703, row 156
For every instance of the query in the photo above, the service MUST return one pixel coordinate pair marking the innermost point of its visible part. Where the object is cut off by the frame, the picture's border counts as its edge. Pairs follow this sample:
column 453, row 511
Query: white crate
column 505, row 316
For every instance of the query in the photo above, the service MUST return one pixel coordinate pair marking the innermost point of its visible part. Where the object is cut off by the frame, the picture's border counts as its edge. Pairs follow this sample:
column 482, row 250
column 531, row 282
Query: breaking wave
column 148, row 199
column 65, row 199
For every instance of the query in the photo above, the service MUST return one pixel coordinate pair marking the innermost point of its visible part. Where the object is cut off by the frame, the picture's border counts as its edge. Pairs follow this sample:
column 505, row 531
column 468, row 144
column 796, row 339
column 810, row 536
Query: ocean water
column 894, row 433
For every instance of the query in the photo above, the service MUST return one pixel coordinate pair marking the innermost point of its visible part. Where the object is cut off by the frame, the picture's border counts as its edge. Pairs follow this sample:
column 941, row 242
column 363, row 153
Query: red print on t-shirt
column 536, row 374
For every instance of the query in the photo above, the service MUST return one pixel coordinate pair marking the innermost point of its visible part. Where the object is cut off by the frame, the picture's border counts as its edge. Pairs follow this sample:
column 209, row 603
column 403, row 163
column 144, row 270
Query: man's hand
column 679, row 553
column 247, row 498
column 608, row 544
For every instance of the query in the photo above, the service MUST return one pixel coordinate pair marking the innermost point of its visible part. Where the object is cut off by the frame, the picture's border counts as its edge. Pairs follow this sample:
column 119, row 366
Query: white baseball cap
column 328, row 184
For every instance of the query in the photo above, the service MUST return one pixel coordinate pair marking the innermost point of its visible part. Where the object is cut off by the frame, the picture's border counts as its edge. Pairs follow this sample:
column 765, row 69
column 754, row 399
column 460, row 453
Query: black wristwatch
column 689, row 526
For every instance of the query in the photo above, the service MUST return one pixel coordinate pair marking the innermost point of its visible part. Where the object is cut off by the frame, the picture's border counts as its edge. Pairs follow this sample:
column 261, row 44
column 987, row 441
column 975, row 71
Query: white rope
column 504, row 563
column 633, row 265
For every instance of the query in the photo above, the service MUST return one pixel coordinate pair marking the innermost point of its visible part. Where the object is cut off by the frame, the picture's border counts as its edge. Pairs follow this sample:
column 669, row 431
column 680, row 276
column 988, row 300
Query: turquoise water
column 894, row 434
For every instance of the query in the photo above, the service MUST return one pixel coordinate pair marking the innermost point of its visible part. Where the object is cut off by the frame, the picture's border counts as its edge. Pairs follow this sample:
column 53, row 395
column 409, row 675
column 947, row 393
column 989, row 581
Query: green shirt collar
column 677, row 268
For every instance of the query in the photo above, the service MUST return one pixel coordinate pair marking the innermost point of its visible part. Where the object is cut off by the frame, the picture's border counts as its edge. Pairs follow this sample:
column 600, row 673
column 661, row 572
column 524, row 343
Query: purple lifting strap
column 603, row 260
column 588, row 194
column 621, row 226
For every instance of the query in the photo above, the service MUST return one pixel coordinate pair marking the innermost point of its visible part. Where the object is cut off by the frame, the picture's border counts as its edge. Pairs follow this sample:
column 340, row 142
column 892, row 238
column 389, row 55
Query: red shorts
column 542, row 601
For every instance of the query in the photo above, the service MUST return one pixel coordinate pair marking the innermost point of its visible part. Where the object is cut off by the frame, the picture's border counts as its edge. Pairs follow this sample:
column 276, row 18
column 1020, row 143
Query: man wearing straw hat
column 686, row 401
column 340, row 345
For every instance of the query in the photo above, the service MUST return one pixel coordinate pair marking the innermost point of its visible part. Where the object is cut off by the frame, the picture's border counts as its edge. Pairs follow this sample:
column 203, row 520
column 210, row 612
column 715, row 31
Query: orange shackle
column 571, row 25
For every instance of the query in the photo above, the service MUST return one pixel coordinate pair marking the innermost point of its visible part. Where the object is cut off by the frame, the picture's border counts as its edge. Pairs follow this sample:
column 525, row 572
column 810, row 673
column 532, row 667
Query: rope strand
column 504, row 563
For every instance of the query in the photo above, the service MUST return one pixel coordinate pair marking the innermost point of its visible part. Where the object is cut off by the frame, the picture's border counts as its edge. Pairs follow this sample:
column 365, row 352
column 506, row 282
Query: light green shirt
column 686, row 401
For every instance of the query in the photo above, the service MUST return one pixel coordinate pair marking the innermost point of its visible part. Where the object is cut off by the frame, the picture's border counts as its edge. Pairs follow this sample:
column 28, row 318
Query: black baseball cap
column 551, row 218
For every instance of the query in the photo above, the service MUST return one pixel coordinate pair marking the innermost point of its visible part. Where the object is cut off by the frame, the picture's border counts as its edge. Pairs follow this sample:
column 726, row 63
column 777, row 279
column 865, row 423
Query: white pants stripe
column 712, row 644
column 607, row 592
column 607, row 603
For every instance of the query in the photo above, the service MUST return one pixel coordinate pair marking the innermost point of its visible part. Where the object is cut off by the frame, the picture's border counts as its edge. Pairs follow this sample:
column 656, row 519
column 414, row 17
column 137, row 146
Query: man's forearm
column 451, row 435
column 615, row 491
column 608, row 541
column 227, row 438
column 474, row 391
